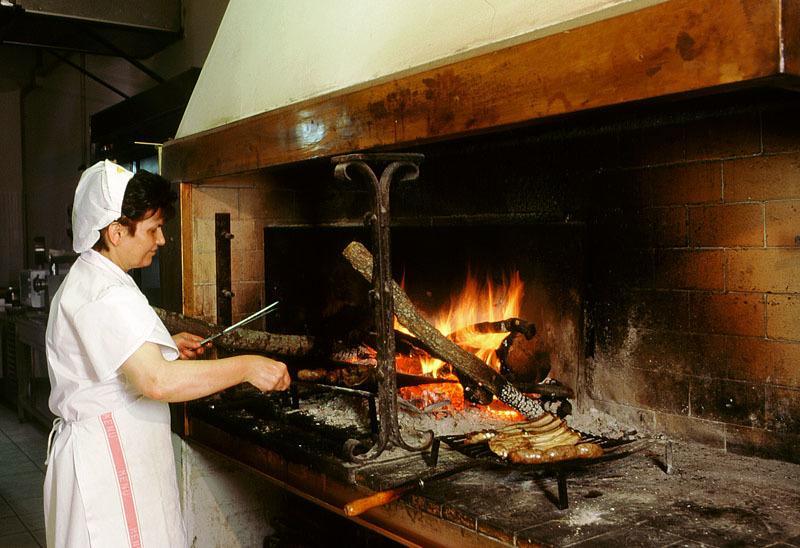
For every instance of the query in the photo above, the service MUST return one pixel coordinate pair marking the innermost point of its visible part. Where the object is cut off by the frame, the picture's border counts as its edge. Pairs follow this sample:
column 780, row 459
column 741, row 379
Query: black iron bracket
column 223, row 237
column 395, row 167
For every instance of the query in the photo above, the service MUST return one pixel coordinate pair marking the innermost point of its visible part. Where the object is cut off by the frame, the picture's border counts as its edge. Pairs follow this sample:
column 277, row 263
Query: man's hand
column 267, row 374
column 158, row 379
column 189, row 345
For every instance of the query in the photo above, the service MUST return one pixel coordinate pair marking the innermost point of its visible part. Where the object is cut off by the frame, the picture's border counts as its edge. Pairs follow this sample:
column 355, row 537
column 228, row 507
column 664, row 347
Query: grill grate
column 613, row 448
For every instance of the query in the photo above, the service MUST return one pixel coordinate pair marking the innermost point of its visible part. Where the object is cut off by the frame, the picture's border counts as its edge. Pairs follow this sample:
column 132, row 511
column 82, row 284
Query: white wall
column 271, row 53
column 223, row 504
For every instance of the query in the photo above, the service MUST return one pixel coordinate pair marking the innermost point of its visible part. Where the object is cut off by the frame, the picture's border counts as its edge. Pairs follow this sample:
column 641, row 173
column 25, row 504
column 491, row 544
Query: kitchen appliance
column 33, row 288
column 38, row 285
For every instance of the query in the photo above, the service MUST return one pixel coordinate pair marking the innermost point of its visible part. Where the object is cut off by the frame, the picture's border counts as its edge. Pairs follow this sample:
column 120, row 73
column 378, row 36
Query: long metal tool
column 251, row 318
column 379, row 498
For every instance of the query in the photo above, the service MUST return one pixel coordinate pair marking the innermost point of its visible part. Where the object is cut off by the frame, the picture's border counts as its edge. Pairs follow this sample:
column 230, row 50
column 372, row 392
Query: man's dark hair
column 145, row 194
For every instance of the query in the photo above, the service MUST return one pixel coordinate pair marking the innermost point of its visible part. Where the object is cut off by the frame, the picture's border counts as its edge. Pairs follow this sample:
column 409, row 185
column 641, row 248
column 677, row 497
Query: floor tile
column 17, row 467
column 5, row 509
column 40, row 536
column 21, row 432
column 22, row 447
column 11, row 455
column 36, row 453
column 22, row 479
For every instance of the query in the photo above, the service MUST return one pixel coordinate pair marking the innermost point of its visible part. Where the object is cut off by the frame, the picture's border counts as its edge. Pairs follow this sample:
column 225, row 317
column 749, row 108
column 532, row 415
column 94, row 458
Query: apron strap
column 58, row 426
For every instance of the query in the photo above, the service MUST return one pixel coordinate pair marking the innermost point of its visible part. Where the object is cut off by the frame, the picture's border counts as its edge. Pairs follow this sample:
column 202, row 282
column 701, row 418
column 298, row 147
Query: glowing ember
column 474, row 304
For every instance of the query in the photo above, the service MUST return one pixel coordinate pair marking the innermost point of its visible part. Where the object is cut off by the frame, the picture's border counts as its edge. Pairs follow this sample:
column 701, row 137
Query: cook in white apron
column 111, row 477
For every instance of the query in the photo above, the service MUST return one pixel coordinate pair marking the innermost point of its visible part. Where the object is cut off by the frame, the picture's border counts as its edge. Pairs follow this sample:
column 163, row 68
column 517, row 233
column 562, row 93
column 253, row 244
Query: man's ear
column 114, row 233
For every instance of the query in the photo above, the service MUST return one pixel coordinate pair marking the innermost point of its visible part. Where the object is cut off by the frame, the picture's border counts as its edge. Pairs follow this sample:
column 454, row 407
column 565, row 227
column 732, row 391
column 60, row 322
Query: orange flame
column 474, row 304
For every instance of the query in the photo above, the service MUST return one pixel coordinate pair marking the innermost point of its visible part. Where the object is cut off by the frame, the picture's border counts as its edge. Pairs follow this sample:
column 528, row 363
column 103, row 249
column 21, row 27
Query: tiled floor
column 22, row 454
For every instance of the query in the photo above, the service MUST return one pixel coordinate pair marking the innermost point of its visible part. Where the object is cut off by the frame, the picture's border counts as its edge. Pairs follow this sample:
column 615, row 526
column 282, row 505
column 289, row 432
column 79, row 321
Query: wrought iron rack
column 393, row 168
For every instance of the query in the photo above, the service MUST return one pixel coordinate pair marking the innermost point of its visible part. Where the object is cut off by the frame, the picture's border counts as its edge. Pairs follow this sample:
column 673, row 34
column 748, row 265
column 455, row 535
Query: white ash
column 599, row 423
column 342, row 411
column 580, row 517
column 337, row 411
column 448, row 422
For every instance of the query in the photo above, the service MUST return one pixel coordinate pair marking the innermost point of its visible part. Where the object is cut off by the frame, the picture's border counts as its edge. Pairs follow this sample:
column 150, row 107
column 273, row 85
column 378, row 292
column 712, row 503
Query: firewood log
column 243, row 340
column 442, row 347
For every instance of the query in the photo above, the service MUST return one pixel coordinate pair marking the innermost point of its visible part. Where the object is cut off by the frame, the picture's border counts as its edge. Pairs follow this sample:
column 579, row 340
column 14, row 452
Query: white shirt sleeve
column 115, row 325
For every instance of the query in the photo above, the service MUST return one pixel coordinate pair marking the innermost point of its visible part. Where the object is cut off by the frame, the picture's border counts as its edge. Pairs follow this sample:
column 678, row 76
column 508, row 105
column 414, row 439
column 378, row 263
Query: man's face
column 140, row 247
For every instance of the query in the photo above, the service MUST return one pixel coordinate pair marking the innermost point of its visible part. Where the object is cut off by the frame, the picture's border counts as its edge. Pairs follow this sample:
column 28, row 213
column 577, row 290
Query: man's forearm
column 181, row 380
column 188, row 380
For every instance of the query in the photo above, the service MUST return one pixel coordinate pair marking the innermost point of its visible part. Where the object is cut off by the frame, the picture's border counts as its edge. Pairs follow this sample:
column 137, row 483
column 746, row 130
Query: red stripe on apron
column 123, row 480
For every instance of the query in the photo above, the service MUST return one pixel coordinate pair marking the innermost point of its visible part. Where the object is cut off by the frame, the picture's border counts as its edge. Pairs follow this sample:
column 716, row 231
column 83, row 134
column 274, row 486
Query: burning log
column 473, row 391
column 340, row 376
column 442, row 347
column 509, row 325
column 550, row 390
column 522, row 360
column 405, row 344
column 361, row 376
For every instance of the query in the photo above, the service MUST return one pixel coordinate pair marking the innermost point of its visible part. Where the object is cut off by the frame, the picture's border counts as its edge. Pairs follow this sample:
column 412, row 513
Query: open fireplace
column 456, row 276
column 651, row 246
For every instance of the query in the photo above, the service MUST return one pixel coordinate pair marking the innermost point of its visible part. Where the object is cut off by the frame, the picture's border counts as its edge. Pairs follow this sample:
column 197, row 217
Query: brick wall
column 696, row 278
column 307, row 196
column 246, row 200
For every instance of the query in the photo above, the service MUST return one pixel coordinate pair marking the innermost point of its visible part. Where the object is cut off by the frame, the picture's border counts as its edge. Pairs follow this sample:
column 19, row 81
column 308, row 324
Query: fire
column 474, row 304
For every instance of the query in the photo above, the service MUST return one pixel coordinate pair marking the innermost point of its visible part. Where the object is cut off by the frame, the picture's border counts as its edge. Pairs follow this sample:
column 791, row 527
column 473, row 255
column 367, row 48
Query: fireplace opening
column 456, row 277
column 657, row 252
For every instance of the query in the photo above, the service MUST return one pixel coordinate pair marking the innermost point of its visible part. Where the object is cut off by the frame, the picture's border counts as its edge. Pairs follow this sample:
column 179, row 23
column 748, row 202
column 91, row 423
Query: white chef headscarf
column 98, row 202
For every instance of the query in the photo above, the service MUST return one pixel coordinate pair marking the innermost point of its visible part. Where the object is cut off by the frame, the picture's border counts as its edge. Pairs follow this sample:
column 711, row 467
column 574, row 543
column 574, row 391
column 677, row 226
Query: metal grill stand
column 613, row 449
column 395, row 167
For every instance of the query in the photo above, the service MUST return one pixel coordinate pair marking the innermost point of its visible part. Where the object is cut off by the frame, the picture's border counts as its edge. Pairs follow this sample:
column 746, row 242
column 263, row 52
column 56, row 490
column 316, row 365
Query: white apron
column 111, row 481
column 111, row 477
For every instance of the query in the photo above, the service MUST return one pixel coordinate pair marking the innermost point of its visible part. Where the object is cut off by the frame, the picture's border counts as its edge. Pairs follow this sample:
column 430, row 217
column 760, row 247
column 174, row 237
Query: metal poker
column 251, row 318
